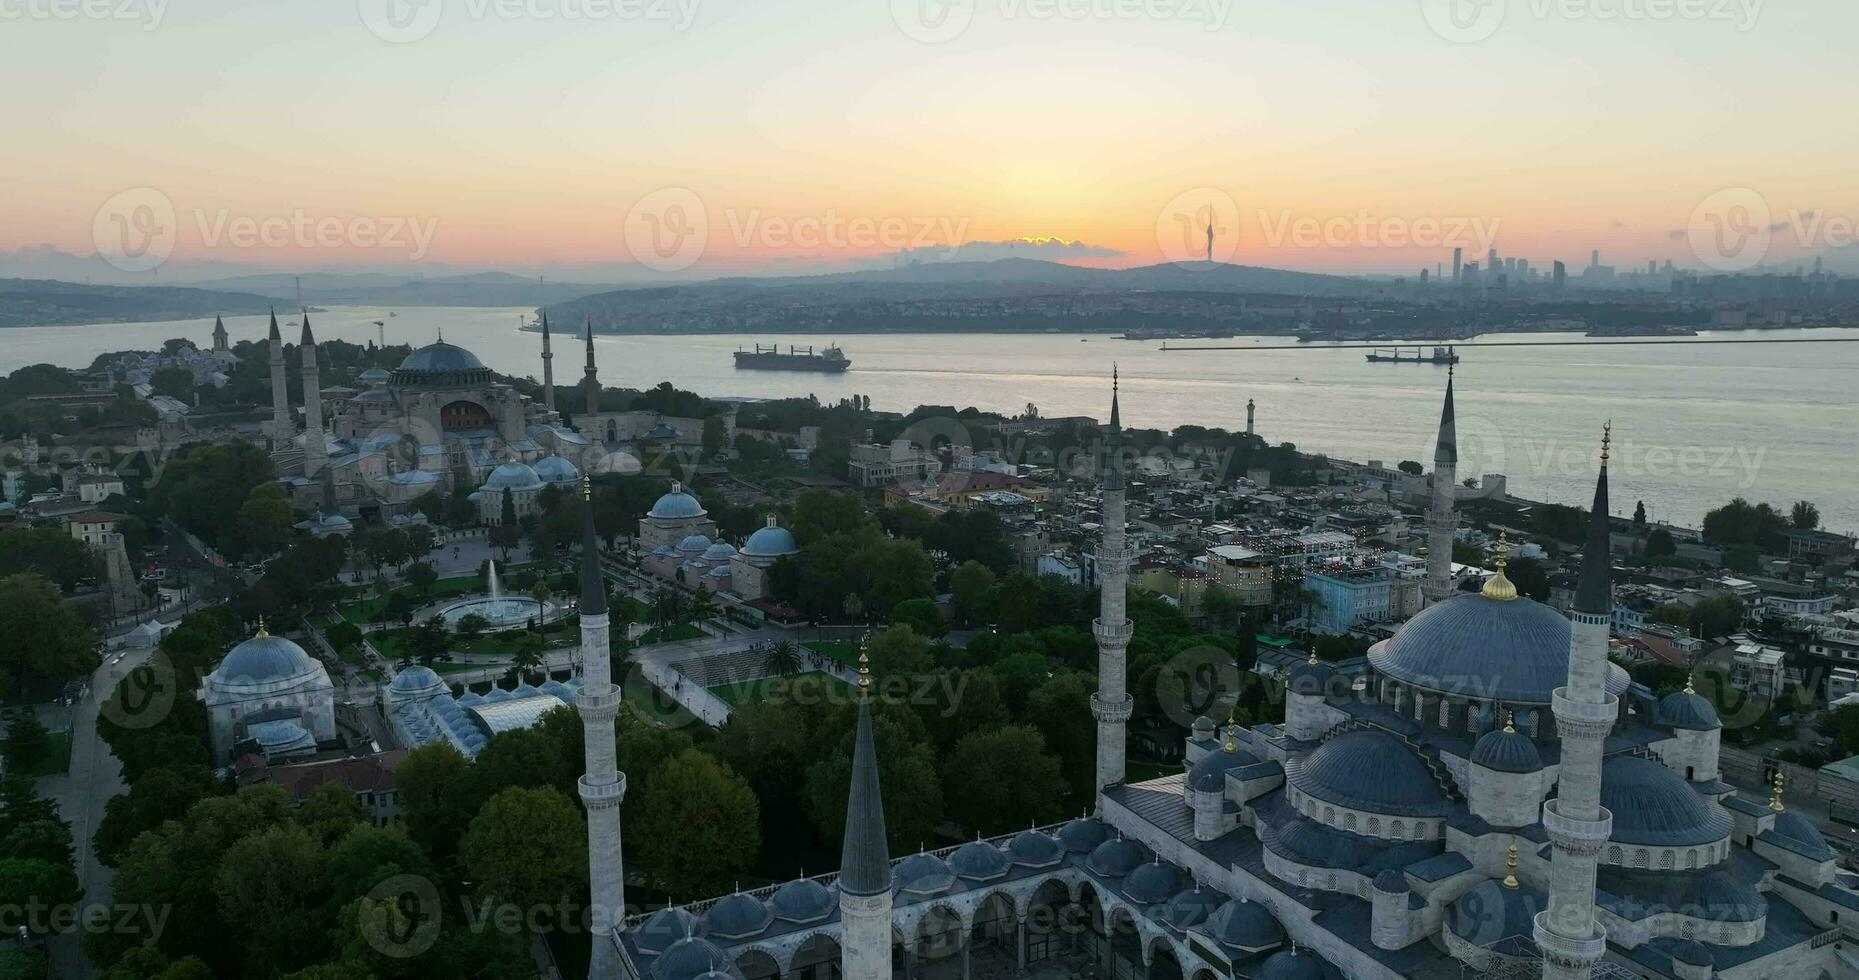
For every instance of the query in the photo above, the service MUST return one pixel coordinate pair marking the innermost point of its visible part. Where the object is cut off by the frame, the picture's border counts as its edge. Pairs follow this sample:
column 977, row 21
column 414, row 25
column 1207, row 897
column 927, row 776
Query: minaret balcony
column 1576, row 836
column 1115, row 712
column 1112, row 634
column 598, row 705
column 1117, row 559
column 602, row 794
column 1584, row 719
column 1569, row 950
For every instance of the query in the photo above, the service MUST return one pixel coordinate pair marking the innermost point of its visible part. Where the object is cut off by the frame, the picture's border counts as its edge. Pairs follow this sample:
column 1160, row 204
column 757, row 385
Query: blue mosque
column 1486, row 795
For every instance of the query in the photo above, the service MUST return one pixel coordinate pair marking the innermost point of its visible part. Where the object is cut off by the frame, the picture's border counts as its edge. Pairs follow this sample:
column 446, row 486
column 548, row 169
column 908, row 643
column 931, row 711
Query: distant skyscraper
column 1458, row 263
column 1423, row 276
column 1491, row 260
column 1559, row 274
column 1594, row 259
column 1652, row 267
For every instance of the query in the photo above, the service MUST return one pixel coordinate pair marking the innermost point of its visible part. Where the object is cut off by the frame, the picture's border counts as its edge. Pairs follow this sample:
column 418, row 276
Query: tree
column 907, row 775
column 920, row 615
column 1660, row 545
column 159, row 795
column 698, row 824
column 1410, row 467
column 899, row 650
column 329, row 812
column 50, row 552
column 431, row 641
column 471, row 626
column 1530, row 578
column 783, row 658
column 368, row 855
column 703, row 605
column 28, row 883
column 1060, row 709
column 1008, row 780
column 421, row 575
column 1741, row 522
column 272, row 884
column 1804, row 516
column 1222, row 606
column 526, row 847
column 431, row 783
column 46, row 639
column 507, row 532
column 264, row 520
column 1742, row 558
column 971, row 588
column 26, row 742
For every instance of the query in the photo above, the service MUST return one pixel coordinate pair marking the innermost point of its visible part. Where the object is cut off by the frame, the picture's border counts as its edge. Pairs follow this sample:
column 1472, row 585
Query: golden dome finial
column 1232, row 728
column 1510, row 869
column 1499, row 585
column 1510, row 722
column 864, row 667
column 1607, row 439
column 1775, row 800
column 587, row 487
column 1688, row 688
column 1313, row 657
column 261, row 634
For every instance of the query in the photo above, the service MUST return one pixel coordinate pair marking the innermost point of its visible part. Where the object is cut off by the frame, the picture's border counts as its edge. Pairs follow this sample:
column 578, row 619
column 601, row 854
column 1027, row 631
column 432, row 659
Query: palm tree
column 703, row 607
column 528, row 656
column 783, row 658
column 854, row 607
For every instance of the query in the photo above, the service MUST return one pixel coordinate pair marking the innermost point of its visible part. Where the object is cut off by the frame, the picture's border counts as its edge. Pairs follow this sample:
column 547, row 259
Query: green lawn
column 656, row 705
column 811, row 687
column 664, row 634
column 843, row 651
column 395, row 644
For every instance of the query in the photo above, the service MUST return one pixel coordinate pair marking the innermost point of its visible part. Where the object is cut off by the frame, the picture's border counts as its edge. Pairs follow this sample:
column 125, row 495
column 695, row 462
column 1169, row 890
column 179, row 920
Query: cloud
column 1013, row 248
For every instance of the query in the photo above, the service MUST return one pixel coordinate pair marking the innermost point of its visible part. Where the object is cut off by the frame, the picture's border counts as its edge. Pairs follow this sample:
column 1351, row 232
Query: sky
column 704, row 137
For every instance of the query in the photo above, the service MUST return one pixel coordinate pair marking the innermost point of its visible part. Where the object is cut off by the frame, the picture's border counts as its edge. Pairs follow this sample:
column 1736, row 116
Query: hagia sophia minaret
column 592, row 381
column 315, row 450
column 548, row 367
column 281, row 428
column 1112, row 703
column 865, row 860
column 1577, row 825
column 1442, row 522
column 603, row 786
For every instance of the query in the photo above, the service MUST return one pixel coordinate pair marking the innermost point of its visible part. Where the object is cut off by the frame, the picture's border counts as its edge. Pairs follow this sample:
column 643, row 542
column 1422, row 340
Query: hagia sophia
column 1484, row 794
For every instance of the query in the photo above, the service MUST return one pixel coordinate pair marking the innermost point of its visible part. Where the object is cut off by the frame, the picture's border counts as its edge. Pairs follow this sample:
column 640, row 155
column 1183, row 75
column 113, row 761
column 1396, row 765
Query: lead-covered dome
column 663, row 928
column 1209, row 774
column 265, row 659
column 1153, row 882
column 1653, row 805
column 1490, row 913
column 978, row 861
column 1793, row 832
column 1688, row 710
column 1083, row 835
column 1116, row 858
column 1371, row 771
column 513, row 476
column 1514, row 650
column 688, row 959
column 1292, row 964
column 1190, row 908
column 676, row 505
column 923, row 874
column 1240, row 924
column 772, row 541
column 416, row 683
column 802, row 900
column 737, row 916
column 556, row 470
column 1507, row 751
column 441, row 364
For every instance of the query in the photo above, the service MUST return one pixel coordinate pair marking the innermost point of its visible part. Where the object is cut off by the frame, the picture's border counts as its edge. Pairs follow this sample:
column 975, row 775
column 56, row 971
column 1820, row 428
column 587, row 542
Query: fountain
column 495, row 609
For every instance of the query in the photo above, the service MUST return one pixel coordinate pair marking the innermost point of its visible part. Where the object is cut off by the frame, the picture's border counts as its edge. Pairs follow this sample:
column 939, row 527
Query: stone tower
column 220, row 342
column 1442, row 522
column 315, row 451
column 281, row 427
column 1578, row 826
column 548, row 367
column 1252, row 414
column 591, row 381
column 1111, row 704
column 603, row 786
column 865, row 861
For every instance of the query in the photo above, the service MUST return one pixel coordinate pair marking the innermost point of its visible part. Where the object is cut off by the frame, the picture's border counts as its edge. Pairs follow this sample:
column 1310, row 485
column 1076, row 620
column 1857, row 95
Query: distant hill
column 380, row 289
column 48, row 302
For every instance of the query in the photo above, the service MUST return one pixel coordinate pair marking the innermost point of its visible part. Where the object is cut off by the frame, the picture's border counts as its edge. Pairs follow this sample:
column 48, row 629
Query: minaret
column 281, row 427
column 1578, row 826
column 314, row 450
column 220, row 343
column 1111, row 704
column 603, row 786
column 548, row 367
column 592, row 382
column 1442, row 522
column 1252, row 415
column 865, row 861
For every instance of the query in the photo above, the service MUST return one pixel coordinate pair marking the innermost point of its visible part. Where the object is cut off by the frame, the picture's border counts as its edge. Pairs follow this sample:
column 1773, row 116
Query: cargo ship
column 830, row 359
column 1414, row 355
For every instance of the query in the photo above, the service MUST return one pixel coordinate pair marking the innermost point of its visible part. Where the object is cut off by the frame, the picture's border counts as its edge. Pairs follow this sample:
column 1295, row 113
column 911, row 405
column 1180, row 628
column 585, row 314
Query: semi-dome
column 1507, row 751
column 1653, row 805
column 1116, row 858
column 1312, row 678
column 1392, row 881
column 263, row 659
column 1153, row 882
column 1688, row 710
column 1371, row 771
column 1292, row 964
column 737, row 916
column 556, row 470
column 416, row 683
column 513, row 476
column 1490, row 913
column 1083, row 835
column 1240, row 924
column 772, row 541
column 1794, row 832
column 978, row 861
column 1490, row 649
column 281, row 736
column 663, row 928
column 1032, row 849
column 1209, row 774
column 923, row 874
column 802, row 900
column 1190, row 908
column 688, row 959
column 676, row 505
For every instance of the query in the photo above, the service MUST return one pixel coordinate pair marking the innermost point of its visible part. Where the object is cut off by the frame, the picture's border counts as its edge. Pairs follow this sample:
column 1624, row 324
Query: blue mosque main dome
column 1513, row 650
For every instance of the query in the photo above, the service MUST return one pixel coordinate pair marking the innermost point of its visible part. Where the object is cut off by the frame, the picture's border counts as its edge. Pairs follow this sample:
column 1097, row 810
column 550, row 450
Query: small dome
column 1209, row 774
column 1203, row 728
column 264, row 658
column 1190, row 908
column 688, row 959
column 1153, row 882
column 737, row 916
column 1116, row 858
column 1507, row 752
column 1654, row 805
column 556, row 470
column 1690, row 711
column 1392, row 881
column 1372, row 771
column 694, row 544
column 373, row 375
column 275, row 737
column 416, row 683
column 1032, row 849
column 1240, row 924
column 802, row 900
column 1292, row 964
column 513, row 476
column 1083, row 835
column 923, row 874
column 1795, row 833
column 1310, row 679
column 676, row 504
column 978, row 861
column 1489, row 913
column 772, row 541
column 720, row 551
column 664, row 927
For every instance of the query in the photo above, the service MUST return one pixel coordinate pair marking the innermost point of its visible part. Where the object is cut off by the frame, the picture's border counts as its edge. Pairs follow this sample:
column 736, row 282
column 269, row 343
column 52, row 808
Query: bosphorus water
column 1694, row 425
